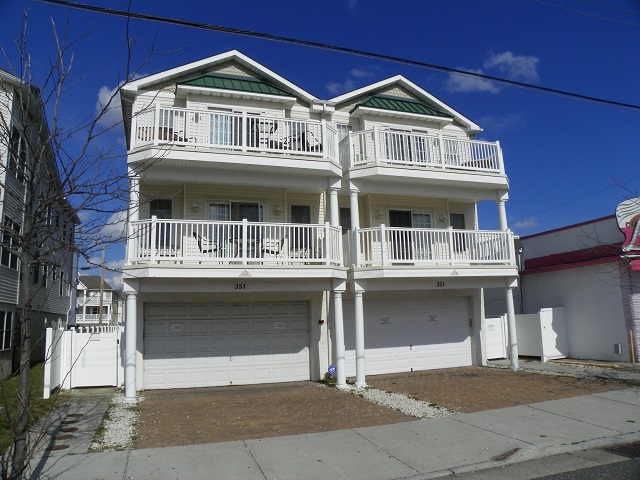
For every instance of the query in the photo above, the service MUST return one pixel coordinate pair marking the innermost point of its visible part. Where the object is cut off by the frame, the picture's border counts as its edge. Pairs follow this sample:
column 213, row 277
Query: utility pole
column 101, row 285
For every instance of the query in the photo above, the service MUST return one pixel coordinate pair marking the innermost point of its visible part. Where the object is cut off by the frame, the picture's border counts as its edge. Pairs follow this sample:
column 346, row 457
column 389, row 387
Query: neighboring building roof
column 398, row 104
column 567, row 227
column 234, row 82
column 92, row 282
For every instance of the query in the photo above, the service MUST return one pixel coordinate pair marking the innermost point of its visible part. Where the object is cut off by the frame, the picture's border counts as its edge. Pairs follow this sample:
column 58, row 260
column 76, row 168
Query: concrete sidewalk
column 421, row 449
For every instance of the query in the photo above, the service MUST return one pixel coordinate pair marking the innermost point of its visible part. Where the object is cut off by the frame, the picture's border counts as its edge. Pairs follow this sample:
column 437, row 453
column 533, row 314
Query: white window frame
column 6, row 330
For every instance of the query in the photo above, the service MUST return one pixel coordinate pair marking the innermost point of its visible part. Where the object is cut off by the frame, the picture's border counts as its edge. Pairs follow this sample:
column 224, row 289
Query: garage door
column 411, row 334
column 225, row 344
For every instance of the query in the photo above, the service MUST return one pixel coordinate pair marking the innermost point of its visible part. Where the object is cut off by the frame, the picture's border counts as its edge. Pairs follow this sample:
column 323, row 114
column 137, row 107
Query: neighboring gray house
column 26, row 164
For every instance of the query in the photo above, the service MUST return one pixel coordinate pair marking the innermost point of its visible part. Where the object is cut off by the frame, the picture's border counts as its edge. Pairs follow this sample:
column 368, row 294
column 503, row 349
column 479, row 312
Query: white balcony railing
column 419, row 150
column 234, row 243
column 234, row 131
column 93, row 318
column 385, row 246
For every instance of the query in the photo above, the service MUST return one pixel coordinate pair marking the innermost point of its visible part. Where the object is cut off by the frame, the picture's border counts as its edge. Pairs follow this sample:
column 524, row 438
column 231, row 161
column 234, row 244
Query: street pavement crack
column 391, row 455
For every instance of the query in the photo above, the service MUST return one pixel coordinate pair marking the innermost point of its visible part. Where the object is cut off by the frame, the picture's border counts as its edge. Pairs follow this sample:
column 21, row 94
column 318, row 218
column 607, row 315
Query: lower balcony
column 425, row 247
column 234, row 243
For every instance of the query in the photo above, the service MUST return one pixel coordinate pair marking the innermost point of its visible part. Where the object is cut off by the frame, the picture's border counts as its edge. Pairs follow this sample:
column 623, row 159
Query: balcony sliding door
column 409, row 245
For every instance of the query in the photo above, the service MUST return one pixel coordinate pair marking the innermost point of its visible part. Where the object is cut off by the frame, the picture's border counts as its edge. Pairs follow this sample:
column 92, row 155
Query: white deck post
column 511, row 322
column 130, row 349
column 502, row 212
column 360, row 376
column 334, row 210
column 341, row 380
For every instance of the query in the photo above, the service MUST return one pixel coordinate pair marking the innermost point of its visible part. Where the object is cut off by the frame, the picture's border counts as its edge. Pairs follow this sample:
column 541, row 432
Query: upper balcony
column 380, row 152
column 239, row 138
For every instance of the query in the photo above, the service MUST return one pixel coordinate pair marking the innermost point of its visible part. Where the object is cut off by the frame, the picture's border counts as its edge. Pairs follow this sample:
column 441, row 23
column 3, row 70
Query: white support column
column 502, row 211
column 355, row 212
column 334, row 210
column 341, row 380
column 134, row 195
column 360, row 376
column 511, row 322
column 130, row 349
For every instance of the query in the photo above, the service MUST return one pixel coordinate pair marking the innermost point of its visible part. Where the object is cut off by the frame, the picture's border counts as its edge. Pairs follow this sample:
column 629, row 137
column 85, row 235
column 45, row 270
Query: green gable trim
column 399, row 104
column 237, row 83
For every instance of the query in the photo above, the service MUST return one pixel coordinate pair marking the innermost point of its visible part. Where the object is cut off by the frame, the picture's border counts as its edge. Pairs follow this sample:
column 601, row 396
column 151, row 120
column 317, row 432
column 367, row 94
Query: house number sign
column 239, row 286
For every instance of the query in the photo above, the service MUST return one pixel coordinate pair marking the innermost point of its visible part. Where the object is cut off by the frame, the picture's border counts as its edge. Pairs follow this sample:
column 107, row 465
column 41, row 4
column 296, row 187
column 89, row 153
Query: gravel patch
column 119, row 426
column 402, row 403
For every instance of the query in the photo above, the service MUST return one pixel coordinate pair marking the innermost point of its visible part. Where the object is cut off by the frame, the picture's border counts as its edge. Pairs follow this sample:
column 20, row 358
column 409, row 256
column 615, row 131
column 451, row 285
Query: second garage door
column 203, row 345
column 411, row 334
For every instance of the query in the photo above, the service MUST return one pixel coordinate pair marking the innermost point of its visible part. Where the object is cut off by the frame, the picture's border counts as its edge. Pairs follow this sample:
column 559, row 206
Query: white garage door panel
column 411, row 334
column 237, row 349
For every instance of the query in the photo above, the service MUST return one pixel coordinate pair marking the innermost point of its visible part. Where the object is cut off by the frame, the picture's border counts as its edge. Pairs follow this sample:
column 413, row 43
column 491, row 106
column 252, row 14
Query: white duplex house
column 273, row 234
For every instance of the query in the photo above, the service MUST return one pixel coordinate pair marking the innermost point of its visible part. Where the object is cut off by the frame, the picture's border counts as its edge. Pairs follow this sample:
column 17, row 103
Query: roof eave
column 360, row 111
column 183, row 90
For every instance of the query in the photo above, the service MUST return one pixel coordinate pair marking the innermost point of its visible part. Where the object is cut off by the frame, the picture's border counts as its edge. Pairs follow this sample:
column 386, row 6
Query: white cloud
column 84, row 215
column 115, row 227
column 526, row 223
column 336, row 88
column 360, row 73
column 503, row 123
column 514, row 67
column 506, row 65
column 109, row 98
column 352, row 4
column 464, row 83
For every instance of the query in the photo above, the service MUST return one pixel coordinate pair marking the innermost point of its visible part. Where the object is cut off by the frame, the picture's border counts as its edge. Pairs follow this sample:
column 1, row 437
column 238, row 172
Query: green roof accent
column 400, row 104
column 237, row 83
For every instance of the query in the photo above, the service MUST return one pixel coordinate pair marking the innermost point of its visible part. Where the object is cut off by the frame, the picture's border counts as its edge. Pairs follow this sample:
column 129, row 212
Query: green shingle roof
column 230, row 82
column 399, row 104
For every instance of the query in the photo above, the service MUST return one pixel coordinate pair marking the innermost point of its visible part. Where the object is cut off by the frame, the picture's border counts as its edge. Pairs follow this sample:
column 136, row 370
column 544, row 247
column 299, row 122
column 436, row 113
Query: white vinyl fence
column 541, row 334
column 83, row 357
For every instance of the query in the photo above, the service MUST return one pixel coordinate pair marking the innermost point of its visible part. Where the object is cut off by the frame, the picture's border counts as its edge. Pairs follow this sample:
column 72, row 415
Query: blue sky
column 568, row 160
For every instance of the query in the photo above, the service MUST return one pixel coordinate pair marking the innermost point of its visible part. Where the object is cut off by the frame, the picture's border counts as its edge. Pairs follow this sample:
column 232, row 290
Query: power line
column 569, row 202
column 334, row 48
column 626, row 12
column 590, row 14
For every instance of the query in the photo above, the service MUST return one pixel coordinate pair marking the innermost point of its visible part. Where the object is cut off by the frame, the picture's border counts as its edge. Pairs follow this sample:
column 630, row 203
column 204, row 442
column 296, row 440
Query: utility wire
column 571, row 201
column 587, row 14
column 334, row 48
column 626, row 12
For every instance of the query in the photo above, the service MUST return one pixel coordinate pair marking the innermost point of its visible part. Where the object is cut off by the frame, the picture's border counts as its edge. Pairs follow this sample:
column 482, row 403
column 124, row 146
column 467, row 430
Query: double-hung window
column 9, row 247
column 6, row 326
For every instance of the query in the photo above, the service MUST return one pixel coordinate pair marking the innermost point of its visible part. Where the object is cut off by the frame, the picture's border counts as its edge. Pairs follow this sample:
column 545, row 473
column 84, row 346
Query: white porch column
column 341, row 380
column 134, row 195
column 360, row 377
column 502, row 212
column 130, row 349
column 511, row 322
column 334, row 210
column 355, row 213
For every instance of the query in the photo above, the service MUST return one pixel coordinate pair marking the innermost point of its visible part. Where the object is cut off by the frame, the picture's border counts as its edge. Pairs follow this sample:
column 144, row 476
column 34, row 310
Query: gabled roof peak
column 198, row 66
column 435, row 103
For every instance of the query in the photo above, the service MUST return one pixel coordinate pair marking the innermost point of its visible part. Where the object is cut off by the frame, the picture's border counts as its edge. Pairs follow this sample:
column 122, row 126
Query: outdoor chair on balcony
column 205, row 245
column 274, row 248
